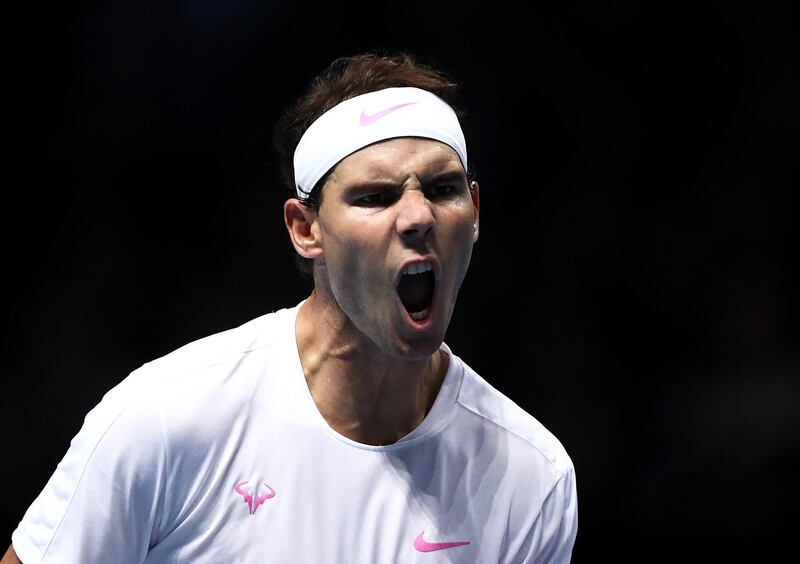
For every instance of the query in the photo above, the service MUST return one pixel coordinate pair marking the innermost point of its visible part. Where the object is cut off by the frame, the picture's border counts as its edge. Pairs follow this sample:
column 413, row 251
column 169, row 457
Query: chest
column 314, row 499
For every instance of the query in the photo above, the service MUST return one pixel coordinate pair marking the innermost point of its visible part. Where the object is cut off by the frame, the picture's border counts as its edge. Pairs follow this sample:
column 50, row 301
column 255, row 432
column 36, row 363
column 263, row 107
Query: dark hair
column 346, row 78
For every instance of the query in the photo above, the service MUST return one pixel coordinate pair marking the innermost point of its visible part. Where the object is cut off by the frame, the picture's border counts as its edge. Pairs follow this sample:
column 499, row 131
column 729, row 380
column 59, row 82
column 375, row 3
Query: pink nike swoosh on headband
column 366, row 120
column 424, row 546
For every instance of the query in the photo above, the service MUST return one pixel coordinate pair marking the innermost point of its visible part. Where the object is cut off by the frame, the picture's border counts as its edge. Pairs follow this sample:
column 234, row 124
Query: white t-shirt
column 216, row 453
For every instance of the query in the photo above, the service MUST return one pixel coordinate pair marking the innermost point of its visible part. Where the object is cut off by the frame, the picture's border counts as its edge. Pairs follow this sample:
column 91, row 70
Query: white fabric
column 369, row 118
column 152, row 475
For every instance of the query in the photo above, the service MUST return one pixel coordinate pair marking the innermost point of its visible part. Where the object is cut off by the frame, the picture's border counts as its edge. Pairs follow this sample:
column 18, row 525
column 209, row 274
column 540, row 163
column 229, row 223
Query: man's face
column 389, row 210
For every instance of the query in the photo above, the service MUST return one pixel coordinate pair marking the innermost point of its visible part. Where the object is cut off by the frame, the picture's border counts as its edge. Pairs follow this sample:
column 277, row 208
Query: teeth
column 419, row 315
column 417, row 268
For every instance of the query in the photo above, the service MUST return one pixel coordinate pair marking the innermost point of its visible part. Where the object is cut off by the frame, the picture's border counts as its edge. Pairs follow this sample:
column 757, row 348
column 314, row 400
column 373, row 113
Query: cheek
column 463, row 230
column 352, row 261
column 461, row 242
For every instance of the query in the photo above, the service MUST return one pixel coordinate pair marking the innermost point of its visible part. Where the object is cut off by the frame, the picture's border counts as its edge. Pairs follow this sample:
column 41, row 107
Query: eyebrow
column 370, row 185
column 451, row 175
column 381, row 184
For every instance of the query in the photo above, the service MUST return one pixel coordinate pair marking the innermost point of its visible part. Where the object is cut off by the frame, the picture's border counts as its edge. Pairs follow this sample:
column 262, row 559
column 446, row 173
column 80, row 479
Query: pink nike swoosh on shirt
column 366, row 120
column 424, row 546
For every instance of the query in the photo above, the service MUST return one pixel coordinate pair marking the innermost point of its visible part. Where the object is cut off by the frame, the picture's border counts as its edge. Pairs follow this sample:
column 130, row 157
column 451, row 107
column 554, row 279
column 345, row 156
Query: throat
column 365, row 394
column 378, row 408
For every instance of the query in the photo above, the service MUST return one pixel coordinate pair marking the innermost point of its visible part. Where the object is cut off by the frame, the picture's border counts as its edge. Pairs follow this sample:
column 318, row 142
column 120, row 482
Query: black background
column 633, row 286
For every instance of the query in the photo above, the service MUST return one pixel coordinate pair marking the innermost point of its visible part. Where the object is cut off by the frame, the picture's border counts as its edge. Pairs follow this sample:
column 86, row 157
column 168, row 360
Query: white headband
column 369, row 118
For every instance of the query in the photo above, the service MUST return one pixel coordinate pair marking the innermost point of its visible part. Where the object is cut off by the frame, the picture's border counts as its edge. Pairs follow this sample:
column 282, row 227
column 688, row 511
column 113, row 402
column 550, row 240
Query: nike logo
column 366, row 120
column 424, row 546
column 253, row 502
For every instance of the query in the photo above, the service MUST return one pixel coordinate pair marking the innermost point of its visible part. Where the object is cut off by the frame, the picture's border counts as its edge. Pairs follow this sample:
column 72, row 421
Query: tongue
column 416, row 291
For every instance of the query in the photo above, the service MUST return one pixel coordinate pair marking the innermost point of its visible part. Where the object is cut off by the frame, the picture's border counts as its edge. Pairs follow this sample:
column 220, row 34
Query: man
column 342, row 430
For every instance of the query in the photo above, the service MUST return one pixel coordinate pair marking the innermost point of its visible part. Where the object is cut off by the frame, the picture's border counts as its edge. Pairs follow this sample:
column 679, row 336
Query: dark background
column 633, row 286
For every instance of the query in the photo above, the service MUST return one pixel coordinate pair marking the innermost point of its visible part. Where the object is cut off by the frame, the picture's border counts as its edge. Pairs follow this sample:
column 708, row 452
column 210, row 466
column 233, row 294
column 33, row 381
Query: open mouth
column 416, row 289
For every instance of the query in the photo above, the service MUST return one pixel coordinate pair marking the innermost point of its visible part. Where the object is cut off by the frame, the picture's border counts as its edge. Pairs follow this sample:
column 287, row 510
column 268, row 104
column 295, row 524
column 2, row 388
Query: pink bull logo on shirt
column 253, row 502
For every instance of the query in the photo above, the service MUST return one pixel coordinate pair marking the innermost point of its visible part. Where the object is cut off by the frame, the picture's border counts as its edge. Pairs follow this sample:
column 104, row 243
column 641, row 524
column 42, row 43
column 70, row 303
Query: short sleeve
column 103, row 502
column 551, row 537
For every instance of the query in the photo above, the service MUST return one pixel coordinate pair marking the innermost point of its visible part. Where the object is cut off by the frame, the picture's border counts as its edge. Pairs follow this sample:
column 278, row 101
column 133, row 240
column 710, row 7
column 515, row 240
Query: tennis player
column 342, row 429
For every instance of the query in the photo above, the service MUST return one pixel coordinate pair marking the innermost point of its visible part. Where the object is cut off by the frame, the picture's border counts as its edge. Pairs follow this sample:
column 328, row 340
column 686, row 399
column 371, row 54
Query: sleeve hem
column 25, row 551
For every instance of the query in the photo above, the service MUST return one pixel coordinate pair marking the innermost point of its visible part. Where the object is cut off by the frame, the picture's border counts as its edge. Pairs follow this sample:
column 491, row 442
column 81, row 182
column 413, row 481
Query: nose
column 414, row 217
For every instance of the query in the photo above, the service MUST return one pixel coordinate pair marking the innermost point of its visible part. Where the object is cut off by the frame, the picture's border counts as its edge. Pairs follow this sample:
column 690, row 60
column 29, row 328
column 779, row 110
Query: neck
column 362, row 393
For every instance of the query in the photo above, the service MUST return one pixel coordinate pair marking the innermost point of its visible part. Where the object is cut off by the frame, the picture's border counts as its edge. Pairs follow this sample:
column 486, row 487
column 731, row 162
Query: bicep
column 10, row 557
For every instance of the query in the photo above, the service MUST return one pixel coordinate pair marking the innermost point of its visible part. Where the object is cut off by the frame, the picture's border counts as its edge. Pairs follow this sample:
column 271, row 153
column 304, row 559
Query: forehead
column 396, row 159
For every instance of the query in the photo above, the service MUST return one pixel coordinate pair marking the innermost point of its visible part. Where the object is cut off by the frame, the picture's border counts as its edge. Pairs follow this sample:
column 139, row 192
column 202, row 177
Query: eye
column 443, row 191
column 373, row 200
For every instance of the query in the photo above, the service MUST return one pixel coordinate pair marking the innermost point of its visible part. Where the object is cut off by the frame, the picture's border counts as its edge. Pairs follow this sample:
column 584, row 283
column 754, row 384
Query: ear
column 301, row 222
column 476, row 204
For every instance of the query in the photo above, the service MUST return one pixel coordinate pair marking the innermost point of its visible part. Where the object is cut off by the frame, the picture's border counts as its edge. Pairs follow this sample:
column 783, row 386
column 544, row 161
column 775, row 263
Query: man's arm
column 101, row 503
column 10, row 557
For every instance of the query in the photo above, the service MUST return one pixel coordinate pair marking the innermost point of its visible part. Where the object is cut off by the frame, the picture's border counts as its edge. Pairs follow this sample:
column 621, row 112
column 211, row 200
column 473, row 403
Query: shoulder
column 199, row 375
column 185, row 366
column 537, row 479
column 260, row 333
column 531, row 444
